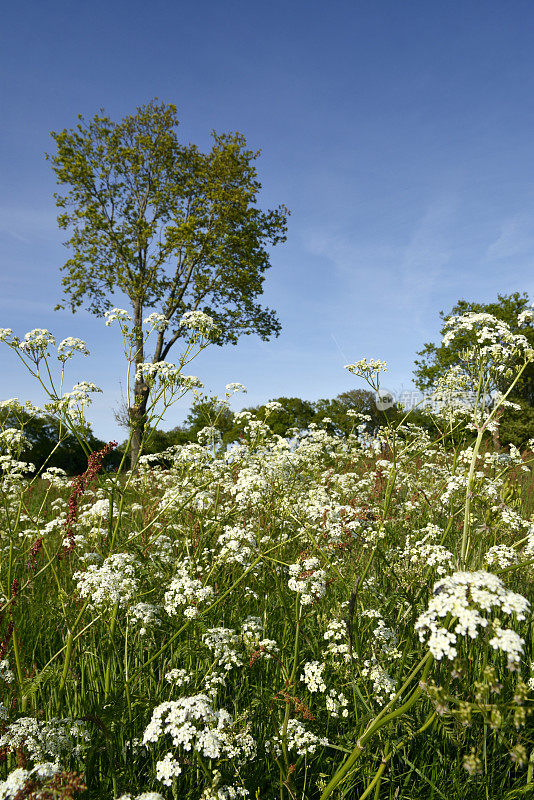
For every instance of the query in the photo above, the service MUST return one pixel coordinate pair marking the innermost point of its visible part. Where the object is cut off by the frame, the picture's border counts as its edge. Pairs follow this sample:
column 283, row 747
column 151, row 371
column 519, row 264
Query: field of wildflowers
column 307, row 618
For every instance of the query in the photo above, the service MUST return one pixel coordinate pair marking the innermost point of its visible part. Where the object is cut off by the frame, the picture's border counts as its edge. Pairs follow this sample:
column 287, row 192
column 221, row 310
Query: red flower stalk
column 36, row 546
column 80, row 484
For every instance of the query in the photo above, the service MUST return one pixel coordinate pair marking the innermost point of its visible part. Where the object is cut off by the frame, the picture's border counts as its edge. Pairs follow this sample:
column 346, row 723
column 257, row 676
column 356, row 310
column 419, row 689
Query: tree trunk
column 137, row 411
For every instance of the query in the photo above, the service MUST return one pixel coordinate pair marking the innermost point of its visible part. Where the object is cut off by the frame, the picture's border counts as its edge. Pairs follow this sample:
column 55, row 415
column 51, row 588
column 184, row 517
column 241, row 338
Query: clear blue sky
column 400, row 135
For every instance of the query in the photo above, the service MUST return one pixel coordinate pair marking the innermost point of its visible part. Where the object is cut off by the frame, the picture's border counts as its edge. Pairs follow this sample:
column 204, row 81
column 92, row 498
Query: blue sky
column 400, row 135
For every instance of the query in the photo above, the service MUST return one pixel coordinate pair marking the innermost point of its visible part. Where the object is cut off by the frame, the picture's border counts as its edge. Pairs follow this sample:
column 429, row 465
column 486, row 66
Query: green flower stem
column 107, row 677
column 382, row 719
column 472, row 467
column 18, row 666
column 68, row 650
column 290, row 683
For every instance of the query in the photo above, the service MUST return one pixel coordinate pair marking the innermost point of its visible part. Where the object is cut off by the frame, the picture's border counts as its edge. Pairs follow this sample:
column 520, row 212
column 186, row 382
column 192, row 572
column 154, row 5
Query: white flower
column 198, row 320
column 69, row 346
column 367, row 368
column 116, row 314
column 178, row 677
column 298, row 738
column 156, row 321
column 501, row 555
column 463, row 596
column 308, row 580
column 232, row 388
column 114, row 582
column 167, row 769
column 186, row 591
column 313, row 676
column 36, row 342
column 509, row 642
column 193, row 724
column 42, row 739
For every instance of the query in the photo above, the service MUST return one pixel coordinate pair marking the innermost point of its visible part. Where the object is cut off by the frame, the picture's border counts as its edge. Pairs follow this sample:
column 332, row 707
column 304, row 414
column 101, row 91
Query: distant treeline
column 337, row 415
column 48, row 445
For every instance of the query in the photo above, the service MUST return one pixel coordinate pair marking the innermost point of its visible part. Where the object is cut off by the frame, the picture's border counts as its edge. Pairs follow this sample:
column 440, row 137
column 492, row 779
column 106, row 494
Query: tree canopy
column 435, row 359
column 171, row 228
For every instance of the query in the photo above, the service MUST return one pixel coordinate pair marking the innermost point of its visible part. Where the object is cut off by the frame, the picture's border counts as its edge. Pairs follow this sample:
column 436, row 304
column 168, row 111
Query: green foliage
column 517, row 426
column 361, row 401
column 435, row 359
column 166, row 225
column 48, row 444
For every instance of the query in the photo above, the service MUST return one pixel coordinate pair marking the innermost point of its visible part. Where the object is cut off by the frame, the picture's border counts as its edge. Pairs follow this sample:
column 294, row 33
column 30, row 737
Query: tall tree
column 436, row 359
column 170, row 227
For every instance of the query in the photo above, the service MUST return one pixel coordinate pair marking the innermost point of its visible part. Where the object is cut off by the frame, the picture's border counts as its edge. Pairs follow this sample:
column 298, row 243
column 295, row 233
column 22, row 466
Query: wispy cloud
column 515, row 239
column 26, row 224
column 402, row 277
column 425, row 257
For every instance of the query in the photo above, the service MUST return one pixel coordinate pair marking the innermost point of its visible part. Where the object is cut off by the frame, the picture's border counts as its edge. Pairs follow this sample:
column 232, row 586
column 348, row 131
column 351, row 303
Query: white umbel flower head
column 464, row 596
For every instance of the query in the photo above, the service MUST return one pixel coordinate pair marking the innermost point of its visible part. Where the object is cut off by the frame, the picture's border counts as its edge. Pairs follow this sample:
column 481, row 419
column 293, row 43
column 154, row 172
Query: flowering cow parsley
column 114, row 314
column 69, row 346
column 178, row 677
column 193, row 724
column 145, row 616
column 186, row 591
column 218, row 792
column 43, row 739
column 313, row 676
column 21, row 780
column 298, row 738
column 308, row 580
column 463, row 596
column 114, row 582
column 36, row 342
column 500, row 555
column 197, row 320
column 156, row 321
column 224, row 642
column 6, row 674
column 367, row 368
column 143, row 796
column 336, row 636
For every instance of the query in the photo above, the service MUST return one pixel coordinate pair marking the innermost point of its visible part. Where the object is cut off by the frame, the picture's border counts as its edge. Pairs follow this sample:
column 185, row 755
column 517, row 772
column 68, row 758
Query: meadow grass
column 322, row 617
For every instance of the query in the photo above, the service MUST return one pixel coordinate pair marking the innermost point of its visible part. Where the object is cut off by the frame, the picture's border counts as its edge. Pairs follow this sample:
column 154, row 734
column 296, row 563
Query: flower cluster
column 462, row 597
column 198, row 320
column 186, row 591
column 193, row 724
column 69, row 346
column 47, row 739
column 114, row 314
column 116, row 581
column 308, row 580
column 302, row 741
